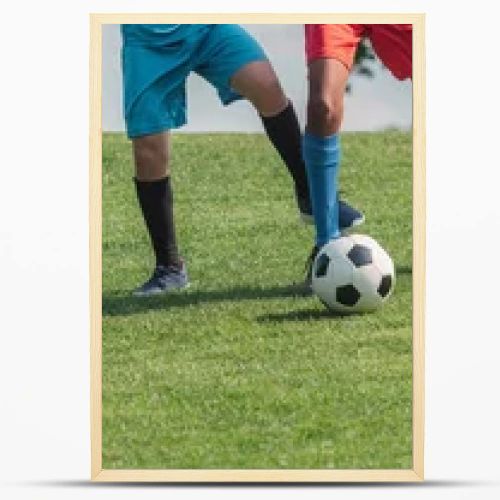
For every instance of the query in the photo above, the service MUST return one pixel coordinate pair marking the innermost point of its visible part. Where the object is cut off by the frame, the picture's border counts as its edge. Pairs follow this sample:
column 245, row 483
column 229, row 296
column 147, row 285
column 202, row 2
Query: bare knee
column 258, row 83
column 324, row 114
column 270, row 99
column 149, row 151
column 151, row 157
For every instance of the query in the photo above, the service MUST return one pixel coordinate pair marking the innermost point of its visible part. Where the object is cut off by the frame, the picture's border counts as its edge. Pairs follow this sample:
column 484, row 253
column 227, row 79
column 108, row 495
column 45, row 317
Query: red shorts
column 391, row 42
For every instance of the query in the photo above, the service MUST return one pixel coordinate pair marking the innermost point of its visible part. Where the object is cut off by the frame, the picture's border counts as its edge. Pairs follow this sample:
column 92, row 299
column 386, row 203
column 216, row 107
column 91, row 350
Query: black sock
column 157, row 205
column 284, row 132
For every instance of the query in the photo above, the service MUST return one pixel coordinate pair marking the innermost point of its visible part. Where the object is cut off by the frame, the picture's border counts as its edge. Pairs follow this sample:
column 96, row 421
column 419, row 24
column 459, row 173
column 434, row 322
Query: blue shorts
column 155, row 74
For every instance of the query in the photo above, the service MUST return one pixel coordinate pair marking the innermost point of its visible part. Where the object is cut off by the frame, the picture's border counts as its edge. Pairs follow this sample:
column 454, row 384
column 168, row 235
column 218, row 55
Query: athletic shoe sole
column 157, row 291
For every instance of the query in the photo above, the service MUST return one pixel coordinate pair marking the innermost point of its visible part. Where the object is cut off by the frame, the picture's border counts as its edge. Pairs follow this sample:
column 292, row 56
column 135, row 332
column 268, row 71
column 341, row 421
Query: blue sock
column 322, row 159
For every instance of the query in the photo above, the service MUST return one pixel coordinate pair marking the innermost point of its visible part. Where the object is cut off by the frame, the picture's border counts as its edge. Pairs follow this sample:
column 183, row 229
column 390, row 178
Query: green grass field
column 238, row 371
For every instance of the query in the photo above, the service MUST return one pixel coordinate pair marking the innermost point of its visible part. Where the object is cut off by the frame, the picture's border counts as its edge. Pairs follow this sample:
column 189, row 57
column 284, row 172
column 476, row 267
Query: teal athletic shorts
column 157, row 59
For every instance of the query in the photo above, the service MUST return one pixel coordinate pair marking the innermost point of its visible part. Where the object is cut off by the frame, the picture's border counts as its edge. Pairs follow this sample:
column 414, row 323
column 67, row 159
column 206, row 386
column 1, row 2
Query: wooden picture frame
column 414, row 474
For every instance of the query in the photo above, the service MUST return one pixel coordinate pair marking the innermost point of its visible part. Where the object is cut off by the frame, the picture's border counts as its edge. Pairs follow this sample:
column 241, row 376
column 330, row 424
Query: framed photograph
column 257, row 247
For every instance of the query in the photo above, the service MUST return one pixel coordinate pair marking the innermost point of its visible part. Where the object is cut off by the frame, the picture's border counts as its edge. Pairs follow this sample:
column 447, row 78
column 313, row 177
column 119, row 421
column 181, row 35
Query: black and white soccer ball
column 353, row 274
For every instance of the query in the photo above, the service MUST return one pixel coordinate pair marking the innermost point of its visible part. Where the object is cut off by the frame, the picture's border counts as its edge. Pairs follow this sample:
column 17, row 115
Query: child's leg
column 327, row 82
column 236, row 65
column 154, row 192
column 258, row 83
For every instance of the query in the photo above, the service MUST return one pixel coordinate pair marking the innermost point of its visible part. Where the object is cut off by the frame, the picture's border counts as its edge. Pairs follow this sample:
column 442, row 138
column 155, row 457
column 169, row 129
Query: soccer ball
column 353, row 274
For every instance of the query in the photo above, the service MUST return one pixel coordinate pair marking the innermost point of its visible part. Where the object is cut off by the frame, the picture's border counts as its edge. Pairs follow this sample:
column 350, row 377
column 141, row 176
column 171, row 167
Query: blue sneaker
column 349, row 217
column 163, row 280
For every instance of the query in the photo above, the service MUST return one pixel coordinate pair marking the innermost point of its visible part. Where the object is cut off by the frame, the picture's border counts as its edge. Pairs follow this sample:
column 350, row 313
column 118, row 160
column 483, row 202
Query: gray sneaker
column 164, row 279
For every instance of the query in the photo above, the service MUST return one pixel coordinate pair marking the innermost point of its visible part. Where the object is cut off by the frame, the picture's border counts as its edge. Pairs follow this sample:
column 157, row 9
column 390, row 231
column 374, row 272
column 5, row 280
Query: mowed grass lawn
column 239, row 371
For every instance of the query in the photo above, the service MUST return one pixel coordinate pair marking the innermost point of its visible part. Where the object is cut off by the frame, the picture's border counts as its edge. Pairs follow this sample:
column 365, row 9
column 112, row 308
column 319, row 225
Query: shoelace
column 159, row 273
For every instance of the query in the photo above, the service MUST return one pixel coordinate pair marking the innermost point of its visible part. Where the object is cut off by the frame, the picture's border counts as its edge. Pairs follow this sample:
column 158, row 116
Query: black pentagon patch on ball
column 322, row 265
column 385, row 285
column 360, row 255
column 347, row 295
